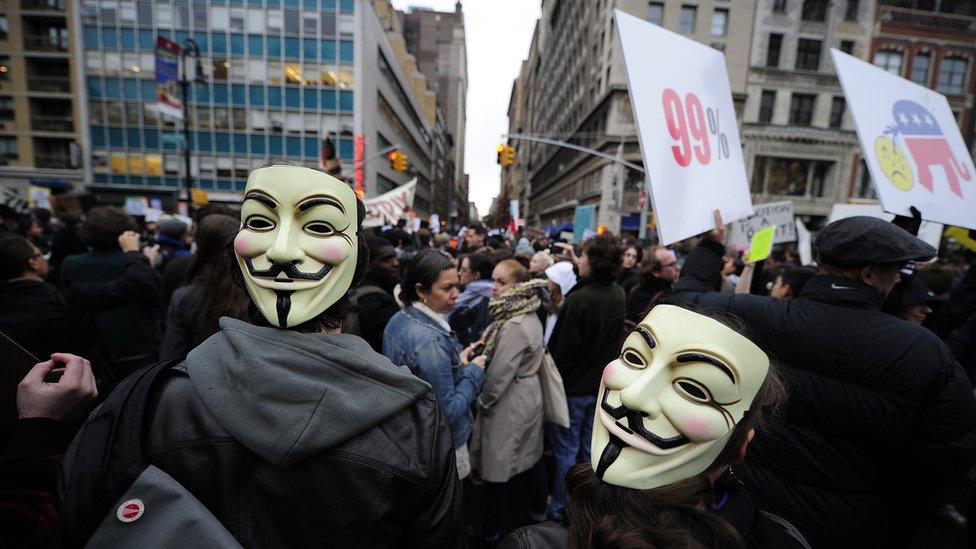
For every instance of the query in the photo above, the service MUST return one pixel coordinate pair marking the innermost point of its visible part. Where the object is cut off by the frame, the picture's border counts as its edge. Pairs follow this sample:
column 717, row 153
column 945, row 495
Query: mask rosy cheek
column 244, row 245
column 608, row 372
column 331, row 252
column 701, row 429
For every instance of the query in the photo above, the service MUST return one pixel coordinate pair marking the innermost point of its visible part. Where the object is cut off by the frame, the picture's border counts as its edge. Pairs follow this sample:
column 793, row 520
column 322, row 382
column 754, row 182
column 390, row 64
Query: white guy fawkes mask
column 297, row 245
column 668, row 405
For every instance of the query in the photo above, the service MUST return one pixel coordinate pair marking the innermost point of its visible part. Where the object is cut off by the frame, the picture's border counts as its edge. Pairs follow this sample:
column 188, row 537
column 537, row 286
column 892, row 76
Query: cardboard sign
column 775, row 214
column 930, row 233
column 687, row 128
column 761, row 246
column 911, row 144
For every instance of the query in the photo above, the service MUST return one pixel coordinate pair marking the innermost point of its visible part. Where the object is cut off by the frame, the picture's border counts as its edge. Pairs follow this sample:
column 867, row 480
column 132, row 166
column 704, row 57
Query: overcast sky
column 498, row 33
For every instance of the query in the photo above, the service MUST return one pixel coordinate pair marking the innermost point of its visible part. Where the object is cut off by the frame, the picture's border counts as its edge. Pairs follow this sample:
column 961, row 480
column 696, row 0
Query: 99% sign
column 686, row 123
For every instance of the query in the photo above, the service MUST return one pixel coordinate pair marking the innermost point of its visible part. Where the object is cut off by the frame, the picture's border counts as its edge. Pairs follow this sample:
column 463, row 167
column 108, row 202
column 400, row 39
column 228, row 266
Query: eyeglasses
column 672, row 264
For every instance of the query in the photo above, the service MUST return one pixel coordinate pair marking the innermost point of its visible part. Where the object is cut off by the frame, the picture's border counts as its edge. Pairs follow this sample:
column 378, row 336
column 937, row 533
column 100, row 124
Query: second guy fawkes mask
column 668, row 405
column 297, row 245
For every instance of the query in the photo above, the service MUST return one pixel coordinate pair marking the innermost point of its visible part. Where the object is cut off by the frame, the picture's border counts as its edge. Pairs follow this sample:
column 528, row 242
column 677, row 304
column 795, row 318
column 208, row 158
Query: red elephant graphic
column 927, row 145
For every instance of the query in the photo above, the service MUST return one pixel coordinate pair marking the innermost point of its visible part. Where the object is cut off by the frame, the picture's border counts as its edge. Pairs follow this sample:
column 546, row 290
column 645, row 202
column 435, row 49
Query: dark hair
column 331, row 318
column 103, row 225
column 15, row 252
column 480, row 263
column 375, row 244
column 423, row 269
column 674, row 515
column 519, row 270
column 213, row 234
column 211, row 209
column 604, row 254
column 633, row 243
column 499, row 255
column 797, row 278
column 479, row 229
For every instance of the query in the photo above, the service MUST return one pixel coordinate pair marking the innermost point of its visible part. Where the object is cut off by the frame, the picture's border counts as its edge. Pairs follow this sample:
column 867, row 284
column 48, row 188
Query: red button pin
column 131, row 510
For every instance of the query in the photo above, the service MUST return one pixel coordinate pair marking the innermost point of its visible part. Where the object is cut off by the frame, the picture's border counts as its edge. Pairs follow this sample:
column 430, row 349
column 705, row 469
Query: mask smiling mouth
column 635, row 425
column 289, row 269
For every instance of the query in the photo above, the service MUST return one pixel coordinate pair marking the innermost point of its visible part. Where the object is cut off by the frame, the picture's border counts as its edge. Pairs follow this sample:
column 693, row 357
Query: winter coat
column 879, row 412
column 650, row 291
column 628, row 280
column 470, row 317
column 306, row 440
column 375, row 311
column 588, row 333
column 507, row 437
column 185, row 324
column 415, row 340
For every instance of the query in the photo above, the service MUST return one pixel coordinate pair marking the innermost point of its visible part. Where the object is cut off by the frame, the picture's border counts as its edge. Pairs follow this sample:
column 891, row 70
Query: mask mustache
column 290, row 270
column 635, row 424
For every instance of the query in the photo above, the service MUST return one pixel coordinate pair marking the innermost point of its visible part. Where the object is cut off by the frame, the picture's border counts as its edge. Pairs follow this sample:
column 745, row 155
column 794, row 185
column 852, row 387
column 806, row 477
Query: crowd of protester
column 875, row 344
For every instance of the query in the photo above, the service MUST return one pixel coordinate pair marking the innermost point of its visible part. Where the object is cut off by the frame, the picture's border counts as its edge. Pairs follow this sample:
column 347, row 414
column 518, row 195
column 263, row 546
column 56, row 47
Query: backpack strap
column 106, row 456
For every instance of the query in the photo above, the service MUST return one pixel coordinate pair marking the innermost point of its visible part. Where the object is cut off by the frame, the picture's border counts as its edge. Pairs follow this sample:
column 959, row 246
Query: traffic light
column 506, row 155
column 398, row 161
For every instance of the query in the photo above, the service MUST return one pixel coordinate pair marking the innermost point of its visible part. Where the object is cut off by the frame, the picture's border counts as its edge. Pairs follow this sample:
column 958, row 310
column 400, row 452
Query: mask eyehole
column 692, row 390
column 319, row 229
column 633, row 360
column 258, row 223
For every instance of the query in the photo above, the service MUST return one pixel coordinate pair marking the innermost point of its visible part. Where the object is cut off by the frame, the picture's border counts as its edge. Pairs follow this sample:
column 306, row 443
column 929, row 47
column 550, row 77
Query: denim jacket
column 415, row 340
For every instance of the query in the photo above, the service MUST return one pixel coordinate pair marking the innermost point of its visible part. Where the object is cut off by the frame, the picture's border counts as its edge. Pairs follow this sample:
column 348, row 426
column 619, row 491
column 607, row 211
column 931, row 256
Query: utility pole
column 190, row 50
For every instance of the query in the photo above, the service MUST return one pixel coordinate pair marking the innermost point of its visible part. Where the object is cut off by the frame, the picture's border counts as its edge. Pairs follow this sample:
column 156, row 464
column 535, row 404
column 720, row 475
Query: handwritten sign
column 776, row 214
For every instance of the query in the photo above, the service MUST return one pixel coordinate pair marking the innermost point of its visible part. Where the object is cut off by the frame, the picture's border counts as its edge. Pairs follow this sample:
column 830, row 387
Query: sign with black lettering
column 772, row 214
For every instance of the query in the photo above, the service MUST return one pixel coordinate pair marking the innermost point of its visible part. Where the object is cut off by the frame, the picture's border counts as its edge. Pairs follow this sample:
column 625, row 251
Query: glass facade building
column 278, row 78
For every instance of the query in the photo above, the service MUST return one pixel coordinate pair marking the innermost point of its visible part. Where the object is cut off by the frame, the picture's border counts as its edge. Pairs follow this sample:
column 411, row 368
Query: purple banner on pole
column 167, row 75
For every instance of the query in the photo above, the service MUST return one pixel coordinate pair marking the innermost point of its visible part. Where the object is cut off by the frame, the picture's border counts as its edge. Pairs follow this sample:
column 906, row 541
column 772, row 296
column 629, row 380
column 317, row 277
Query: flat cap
column 863, row 240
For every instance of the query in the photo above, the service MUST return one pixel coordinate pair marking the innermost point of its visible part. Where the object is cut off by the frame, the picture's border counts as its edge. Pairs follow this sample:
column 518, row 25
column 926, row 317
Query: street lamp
column 190, row 50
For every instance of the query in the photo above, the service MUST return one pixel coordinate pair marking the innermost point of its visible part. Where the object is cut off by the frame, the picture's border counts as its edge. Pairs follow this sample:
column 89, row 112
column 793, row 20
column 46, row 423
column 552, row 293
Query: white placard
column 911, row 143
column 777, row 214
column 687, row 128
column 930, row 233
column 804, row 243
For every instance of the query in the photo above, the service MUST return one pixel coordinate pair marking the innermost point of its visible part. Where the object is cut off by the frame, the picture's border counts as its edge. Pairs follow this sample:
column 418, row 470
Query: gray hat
column 863, row 240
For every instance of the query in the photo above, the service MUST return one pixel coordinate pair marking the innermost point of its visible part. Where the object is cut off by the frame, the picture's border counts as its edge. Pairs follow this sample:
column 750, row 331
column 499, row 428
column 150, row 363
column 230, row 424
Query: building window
column 790, row 176
column 920, row 68
column 772, row 51
column 889, row 61
column 864, row 187
column 808, row 54
column 837, row 108
column 814, row 10
column 847, row 46
column 6, row 107
column 766, row 105
column 292, row 22
column 779, row 6
column 720, row 21
column 200, row 16
column 4, row 67
column 853, row 6
column 8, row 147
column 952, row 74
column 655, row 13
column 687, row 24
column 801, row 109
column 4, row 28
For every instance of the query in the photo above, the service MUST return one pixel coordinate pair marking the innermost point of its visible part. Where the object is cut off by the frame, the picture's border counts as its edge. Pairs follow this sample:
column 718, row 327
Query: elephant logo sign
column 927, row 147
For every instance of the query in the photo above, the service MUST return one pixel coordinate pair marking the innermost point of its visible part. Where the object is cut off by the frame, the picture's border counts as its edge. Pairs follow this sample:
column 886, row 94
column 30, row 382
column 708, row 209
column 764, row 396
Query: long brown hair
column 210, row 266
column 676, row 515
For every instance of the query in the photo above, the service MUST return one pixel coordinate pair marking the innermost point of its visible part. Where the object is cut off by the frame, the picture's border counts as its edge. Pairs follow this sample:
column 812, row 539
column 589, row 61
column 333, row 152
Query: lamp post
column 190, row 50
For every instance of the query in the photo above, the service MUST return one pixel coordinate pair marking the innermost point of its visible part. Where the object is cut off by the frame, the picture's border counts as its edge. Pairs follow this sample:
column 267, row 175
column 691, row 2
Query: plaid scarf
column 521, row 299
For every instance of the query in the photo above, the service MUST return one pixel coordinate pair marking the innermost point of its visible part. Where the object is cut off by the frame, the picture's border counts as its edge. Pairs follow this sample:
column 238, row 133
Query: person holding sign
column 880, row 414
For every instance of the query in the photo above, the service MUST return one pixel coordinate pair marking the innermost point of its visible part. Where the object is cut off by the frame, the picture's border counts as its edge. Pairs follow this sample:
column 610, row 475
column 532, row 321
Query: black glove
column 910, row 224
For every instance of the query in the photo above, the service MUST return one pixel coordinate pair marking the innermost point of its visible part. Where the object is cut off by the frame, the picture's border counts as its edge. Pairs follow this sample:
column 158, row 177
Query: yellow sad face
column 894, row 163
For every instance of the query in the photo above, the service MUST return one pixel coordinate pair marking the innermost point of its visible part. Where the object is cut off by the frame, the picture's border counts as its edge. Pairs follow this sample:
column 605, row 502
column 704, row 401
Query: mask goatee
column 283, row 306
column 610, row 454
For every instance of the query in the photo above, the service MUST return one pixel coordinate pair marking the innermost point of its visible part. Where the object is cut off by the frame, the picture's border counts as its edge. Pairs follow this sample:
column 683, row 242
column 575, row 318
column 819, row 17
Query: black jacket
column 879, row 411
column 628, row 279
column 587, row 336
column 375, row 311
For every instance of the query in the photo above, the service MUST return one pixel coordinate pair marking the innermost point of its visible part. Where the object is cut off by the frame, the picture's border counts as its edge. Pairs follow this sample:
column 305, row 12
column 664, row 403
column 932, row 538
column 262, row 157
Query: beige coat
column 507, row 436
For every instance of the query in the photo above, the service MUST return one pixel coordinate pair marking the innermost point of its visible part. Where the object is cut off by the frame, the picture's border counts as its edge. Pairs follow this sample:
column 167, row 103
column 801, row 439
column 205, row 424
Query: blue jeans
column 570, row 443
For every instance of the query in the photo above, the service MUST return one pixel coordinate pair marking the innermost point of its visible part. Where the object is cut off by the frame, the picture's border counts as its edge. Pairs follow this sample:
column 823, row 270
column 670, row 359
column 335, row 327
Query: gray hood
column 288, row 395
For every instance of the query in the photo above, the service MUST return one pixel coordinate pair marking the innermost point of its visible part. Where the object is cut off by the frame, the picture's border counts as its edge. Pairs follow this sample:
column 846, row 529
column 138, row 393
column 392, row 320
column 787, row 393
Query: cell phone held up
column 478, row 350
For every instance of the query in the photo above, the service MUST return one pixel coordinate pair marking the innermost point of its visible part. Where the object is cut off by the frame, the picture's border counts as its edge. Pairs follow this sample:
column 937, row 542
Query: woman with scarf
column 507, row 437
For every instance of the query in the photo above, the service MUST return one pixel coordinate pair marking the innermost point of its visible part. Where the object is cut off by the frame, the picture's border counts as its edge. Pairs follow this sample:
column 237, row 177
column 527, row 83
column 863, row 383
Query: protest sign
column 804, row 243
column 40, row 197
column 583, row 219
column 761, row 246
column 389, row 206
column 168, row 101
column 929, row 232
column 135, row 205
column 775, row 214
column 911, row 143
column 687, row 128
column 962, row 236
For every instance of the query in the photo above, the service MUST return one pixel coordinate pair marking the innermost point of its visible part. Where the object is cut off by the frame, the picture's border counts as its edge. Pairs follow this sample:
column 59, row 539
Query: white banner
column 911, row 143
column 387, row 208
column 772, row 214
column 687, row 127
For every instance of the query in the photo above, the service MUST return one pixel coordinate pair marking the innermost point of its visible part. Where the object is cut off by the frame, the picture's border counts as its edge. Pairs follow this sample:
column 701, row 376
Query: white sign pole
column 911, row 143
column 686, row 124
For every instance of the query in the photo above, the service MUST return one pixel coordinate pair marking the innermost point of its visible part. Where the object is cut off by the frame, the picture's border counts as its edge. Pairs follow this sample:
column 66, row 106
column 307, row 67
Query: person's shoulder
column 549, row 534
